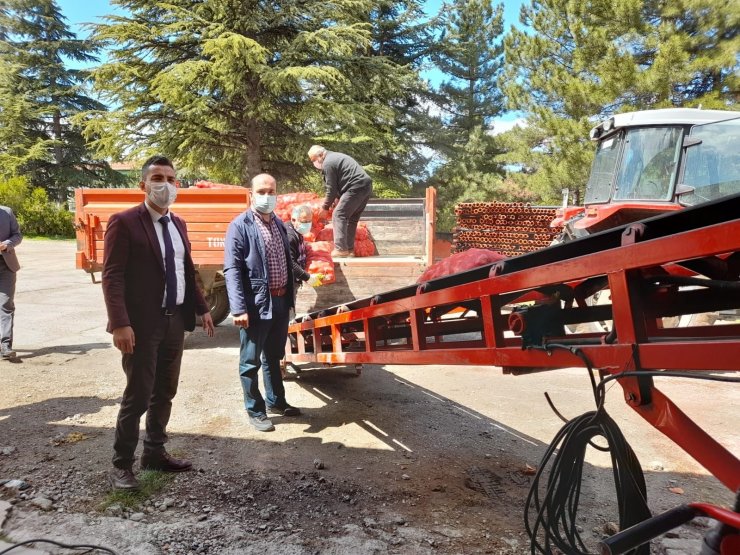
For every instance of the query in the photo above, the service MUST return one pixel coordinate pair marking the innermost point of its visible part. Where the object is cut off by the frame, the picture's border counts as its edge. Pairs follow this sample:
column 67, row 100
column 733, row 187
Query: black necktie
column 169, row 266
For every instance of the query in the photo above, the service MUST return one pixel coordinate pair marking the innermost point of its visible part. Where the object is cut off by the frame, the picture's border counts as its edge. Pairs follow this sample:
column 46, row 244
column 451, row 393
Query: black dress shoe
column 123, row 479
column 287, row 410
column 165, row 463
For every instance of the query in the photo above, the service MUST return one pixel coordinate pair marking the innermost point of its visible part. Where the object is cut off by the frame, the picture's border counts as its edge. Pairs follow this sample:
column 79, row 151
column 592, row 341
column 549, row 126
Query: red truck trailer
column 403, row 231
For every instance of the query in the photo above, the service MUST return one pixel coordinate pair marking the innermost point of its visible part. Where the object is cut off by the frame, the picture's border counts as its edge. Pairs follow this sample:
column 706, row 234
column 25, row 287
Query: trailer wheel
column 218, row 302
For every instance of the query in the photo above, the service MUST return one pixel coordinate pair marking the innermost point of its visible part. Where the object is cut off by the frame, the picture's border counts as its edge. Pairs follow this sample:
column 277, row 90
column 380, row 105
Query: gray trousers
column 347, row 215
column 7, row 306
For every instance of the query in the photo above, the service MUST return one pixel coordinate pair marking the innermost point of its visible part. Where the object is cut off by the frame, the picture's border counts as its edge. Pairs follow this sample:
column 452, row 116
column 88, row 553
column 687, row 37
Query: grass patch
column 47, row 238
column 151, row 482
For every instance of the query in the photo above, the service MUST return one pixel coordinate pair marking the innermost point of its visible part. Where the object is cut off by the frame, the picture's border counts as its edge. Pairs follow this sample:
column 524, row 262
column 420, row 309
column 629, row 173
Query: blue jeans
column 263, row 344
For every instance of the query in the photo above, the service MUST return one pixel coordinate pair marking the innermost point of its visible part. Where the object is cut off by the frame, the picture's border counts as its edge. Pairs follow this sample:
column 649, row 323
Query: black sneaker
column 287, row 410
column 261, row 423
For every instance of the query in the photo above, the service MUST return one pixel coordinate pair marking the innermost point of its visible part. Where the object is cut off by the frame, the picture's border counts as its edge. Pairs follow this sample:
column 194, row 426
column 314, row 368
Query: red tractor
column 655, row 161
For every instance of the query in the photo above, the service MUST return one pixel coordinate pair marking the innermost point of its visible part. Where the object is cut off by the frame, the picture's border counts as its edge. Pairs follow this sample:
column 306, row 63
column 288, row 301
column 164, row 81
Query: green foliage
column 36, row 214
column 470, row 53
column 473, row 177
column 403, row 34
column 39, row 216
column 39, row 96
column 687, row 52
column 580, row 62
column 151, row 482
column 240, row 88
column 14, row 192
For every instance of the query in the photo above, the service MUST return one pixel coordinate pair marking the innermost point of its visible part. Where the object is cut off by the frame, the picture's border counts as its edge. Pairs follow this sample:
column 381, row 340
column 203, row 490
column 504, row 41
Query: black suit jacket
column 133, row 272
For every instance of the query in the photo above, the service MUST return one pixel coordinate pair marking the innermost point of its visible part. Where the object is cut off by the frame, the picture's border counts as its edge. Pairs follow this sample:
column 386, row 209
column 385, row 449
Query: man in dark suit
column 152, row 298
column 10, row 237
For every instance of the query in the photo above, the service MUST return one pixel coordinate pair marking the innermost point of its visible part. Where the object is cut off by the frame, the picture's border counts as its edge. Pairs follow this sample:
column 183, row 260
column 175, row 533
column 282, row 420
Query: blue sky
column 79, row 12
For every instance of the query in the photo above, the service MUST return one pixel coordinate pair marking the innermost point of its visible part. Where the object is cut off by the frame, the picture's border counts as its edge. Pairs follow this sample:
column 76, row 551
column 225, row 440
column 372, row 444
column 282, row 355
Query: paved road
column 441, row 426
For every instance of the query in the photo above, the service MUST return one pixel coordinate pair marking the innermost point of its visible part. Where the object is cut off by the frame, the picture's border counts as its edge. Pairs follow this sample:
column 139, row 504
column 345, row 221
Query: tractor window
column 649, row 162
column 712, row 168
column 599, row 186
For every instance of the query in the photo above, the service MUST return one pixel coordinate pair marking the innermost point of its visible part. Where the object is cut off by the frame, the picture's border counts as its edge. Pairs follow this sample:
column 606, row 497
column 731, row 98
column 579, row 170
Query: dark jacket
column 297, row 253
column 10, row 234
column 342, row 173
column 133, row 272
column 245, row 267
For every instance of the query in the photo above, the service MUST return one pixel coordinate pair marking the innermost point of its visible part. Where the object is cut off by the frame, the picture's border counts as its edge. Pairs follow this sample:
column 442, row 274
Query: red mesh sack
column 203, row 184
column 319, row 260
column 326, row 234
column 288, row 201
column 459, row 262
column 364, row 244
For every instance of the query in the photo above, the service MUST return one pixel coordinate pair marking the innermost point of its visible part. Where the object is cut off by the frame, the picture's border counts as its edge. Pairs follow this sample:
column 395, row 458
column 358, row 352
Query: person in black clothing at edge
column 301, row 219
column 350, row 187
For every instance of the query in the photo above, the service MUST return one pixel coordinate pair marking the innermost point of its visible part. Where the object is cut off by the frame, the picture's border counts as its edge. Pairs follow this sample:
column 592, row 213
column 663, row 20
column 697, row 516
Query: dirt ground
column 402, row 459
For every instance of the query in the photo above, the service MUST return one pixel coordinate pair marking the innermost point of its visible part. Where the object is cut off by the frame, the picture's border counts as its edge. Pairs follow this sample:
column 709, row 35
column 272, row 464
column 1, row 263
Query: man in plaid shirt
column 259, row 282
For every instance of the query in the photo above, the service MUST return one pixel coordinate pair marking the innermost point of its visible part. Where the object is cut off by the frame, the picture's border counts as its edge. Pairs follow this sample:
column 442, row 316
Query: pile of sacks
column 364, row 244
column 320, row 241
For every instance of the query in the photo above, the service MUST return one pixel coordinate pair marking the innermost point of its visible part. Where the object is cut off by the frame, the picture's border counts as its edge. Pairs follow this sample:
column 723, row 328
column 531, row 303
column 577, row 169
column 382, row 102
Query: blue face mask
column 303, row 228
column 264, row 204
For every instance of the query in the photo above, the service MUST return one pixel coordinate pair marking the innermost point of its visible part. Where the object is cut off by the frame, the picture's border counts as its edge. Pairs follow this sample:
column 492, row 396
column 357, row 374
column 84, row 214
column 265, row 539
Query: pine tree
column 473, row 177
column 39, row 96
column 243, row 87
column 402, row 33
column 470, row 54
column 688, row 54
column 581, row 62
column 565, row 73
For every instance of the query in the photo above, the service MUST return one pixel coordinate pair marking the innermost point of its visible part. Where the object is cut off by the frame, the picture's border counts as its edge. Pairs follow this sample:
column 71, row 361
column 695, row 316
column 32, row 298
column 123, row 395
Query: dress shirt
column 179, row 251
column 277, row 263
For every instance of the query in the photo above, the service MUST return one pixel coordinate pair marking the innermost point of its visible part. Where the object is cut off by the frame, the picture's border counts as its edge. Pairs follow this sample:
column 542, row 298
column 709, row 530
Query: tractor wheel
column 218, row 301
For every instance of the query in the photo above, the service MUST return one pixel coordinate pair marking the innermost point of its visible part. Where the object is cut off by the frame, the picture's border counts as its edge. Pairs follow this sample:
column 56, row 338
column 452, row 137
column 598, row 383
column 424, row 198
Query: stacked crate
column 511, row 228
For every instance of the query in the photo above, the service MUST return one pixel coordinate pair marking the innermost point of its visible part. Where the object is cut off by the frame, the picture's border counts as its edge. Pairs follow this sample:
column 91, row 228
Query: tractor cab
column 656, row 161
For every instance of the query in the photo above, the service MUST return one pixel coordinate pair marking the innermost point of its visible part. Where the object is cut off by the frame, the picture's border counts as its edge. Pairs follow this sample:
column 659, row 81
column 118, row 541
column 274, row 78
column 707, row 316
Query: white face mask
column 162, row 194
column 264, row 204
column 303, row 228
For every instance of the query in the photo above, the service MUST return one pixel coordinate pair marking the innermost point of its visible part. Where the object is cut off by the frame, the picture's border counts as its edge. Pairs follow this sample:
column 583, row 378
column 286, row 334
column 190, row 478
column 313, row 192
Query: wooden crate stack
column 511, row 228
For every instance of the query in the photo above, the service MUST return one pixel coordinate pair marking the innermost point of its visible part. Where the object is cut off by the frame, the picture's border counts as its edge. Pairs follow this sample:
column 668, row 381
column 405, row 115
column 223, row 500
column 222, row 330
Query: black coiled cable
column 550, row 513
column 550, row 518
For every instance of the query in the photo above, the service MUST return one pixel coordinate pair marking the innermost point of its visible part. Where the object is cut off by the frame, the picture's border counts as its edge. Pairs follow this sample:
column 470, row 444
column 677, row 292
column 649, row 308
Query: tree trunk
column 253, row 158
column 61, row 190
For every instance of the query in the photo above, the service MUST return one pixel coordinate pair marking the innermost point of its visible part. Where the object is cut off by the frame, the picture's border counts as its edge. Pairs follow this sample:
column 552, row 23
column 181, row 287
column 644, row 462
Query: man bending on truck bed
column 152, row 298
column 350, row 187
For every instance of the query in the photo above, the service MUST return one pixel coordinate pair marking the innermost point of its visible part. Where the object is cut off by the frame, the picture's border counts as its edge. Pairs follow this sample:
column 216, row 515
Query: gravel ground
column 402, row 459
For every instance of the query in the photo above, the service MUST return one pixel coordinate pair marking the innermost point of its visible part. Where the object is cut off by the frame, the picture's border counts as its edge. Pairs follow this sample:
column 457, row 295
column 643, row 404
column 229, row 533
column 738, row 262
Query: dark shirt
column 297, row 253
column 342, row 173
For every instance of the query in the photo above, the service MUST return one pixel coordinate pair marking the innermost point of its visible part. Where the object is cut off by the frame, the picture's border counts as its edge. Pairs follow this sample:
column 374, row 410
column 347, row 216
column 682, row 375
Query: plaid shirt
column 277, row 263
